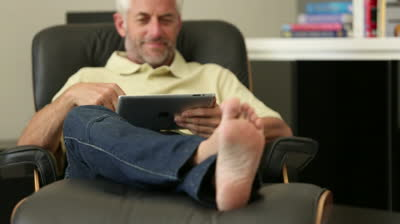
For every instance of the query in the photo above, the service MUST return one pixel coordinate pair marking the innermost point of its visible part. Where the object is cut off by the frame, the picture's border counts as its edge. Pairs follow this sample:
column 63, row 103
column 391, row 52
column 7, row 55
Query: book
column 370, row 18
column 329, row 8
column 358, row 18
column 392, row 19
column 315, row 34
column 314, row 30
column 381, row 14
column 313, row 27
column 325, row 18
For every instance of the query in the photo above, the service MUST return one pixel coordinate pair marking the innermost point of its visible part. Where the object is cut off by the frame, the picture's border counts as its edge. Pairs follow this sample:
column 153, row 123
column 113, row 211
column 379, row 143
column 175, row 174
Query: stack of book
column 352, row 18
column 323, row 19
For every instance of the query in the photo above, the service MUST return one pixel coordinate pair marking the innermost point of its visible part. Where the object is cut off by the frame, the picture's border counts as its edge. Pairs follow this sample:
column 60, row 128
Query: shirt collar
column 119, row 63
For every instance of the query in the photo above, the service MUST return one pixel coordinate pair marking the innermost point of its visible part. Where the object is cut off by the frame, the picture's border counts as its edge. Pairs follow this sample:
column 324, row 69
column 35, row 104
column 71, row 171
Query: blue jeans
column 103, row 145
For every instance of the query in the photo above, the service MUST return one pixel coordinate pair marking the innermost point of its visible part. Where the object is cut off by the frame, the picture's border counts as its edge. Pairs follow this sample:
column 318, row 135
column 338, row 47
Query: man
column 100, row 143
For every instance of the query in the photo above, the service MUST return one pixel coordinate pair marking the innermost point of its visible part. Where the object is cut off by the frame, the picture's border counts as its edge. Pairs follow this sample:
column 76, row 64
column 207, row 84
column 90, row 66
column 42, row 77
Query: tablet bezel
column 156, row 112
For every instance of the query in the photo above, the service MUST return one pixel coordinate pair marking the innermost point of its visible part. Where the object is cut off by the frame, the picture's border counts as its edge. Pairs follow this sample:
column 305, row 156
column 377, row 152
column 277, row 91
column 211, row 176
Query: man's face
column 151, row 28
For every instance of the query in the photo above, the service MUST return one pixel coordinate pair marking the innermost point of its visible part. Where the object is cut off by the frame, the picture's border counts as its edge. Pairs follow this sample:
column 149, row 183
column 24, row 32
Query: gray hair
column 123, row 5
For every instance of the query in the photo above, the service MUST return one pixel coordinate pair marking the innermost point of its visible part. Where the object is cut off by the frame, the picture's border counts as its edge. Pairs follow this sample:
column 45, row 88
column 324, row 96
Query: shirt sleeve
column 71, row 81
column 231, row 87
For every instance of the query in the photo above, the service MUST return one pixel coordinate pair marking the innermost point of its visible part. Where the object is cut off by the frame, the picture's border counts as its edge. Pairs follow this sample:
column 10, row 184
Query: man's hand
column 200, row 121
column 45, row 127
column 104, row 94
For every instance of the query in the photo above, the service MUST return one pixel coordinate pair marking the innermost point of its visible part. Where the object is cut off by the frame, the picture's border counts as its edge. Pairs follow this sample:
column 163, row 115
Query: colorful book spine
column 314, row 30
column 325, row 18
column 315, row 34
column 329, row 8
column 381, row 29
column 370, row 18
column 314, row 27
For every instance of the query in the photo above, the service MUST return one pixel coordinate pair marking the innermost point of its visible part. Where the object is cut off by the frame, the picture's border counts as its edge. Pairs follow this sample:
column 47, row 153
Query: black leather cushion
column 60, row 51
column 81, row 201
column 42, row 160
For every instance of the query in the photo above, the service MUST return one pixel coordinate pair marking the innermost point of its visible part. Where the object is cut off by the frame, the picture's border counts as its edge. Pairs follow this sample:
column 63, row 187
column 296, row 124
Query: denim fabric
column 102, row 144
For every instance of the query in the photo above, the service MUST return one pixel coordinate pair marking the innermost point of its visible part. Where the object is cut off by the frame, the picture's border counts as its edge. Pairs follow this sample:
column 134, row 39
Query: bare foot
column 249, row 114
column 239, row 143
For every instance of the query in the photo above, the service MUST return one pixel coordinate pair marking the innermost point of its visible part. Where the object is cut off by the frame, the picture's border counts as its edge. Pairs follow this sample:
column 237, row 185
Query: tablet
column 156, row 112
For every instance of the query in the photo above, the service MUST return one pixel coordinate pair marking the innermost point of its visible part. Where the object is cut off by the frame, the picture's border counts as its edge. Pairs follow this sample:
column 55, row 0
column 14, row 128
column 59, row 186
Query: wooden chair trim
column 36, row 180
column 15, row 209
column 285, row 174
column 250, row 75
column 324, row 207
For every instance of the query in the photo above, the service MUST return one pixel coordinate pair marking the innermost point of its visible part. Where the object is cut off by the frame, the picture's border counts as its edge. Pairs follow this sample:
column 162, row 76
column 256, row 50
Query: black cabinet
column 352, row 109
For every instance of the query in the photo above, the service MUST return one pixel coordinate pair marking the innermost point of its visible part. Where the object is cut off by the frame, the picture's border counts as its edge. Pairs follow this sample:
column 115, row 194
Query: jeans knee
column 78, row 118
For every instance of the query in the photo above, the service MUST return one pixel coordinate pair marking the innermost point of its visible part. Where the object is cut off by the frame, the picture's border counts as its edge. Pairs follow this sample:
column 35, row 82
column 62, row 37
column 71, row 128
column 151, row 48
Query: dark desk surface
column 341, row 214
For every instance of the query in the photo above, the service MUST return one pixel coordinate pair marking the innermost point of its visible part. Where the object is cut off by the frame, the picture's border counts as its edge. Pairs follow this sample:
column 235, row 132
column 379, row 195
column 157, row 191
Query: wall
column 20, row 21
column 255, row 18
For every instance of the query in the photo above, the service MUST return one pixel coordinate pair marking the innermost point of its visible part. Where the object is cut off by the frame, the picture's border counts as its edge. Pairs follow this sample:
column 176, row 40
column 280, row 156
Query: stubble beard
column 139, row 53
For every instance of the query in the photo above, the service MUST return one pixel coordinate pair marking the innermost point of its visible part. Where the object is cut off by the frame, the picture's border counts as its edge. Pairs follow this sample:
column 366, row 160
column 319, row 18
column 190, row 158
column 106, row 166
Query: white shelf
column 288, row 49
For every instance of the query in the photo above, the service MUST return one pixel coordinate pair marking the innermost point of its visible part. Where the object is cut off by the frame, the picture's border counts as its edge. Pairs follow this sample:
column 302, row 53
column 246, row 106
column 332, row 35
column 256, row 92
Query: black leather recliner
column 59, row 52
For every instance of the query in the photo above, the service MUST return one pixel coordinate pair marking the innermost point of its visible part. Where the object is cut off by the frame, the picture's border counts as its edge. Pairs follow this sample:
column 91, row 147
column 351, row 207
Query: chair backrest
column 60, row 51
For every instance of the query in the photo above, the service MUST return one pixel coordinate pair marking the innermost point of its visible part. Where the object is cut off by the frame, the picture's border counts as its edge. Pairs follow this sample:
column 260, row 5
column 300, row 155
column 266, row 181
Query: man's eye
column 166, row 20
column 142, row 20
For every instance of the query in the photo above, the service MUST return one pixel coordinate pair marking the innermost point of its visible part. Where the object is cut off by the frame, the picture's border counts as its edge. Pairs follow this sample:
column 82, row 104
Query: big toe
column 231, row 109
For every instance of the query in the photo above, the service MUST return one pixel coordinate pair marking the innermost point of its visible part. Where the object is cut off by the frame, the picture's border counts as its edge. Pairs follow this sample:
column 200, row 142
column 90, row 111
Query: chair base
column 100, row 201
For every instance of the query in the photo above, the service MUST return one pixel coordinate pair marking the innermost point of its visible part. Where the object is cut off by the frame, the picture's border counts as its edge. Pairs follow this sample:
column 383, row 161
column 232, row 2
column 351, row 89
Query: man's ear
column 119, row 24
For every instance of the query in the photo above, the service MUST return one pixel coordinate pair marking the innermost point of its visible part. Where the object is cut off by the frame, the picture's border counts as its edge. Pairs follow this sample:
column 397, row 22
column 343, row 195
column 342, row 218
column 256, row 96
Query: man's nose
column 155, row 29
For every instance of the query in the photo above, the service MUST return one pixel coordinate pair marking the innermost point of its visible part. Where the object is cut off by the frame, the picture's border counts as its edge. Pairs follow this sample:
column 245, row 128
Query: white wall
column 19, row 22
column 255, row 18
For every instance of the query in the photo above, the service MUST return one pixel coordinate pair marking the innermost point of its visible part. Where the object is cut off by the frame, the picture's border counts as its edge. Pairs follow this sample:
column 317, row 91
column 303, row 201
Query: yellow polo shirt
column 179, row 78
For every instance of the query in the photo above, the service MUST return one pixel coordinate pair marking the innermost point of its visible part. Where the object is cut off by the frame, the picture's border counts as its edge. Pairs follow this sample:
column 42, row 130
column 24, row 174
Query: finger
column 196, row 129
column 196, row 112
column 113, row 92
column 178, row 118
column 112, row 98
column 207, row 122
column 118, row 89
column 182, row 125
column 108, row 105
column 203, row 112
column 200, row 130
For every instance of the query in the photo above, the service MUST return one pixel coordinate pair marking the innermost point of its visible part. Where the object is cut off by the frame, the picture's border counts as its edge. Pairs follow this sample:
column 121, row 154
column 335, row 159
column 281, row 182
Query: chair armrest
column 294, row 152
column 43, row 161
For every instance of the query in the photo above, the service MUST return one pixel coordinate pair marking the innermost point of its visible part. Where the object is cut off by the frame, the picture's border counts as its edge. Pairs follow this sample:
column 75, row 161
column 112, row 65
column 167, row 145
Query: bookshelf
column 344, row 93
column 280, row 49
